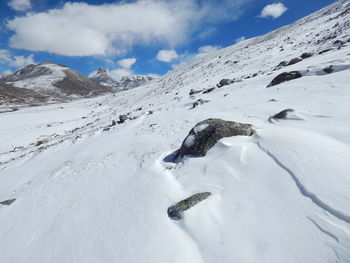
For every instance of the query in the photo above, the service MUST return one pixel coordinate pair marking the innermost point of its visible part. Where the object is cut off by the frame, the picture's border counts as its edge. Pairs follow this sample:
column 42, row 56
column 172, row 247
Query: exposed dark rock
column 324, row 51
column 306, row 55
column 285, row 76
column 123, row 118
column 272, row 100
column 282, row 114
column 329, row 69
column 282, row 64
column 7, row 202
column 205, row 134
column 208, row 90
column 225, row 82
column 199, row 102
column 175, row 211
column 338, row 43
column 193, row 91
column 294, row 61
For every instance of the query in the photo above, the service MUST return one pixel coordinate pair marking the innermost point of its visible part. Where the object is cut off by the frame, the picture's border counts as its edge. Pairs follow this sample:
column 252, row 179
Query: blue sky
column 134, row 37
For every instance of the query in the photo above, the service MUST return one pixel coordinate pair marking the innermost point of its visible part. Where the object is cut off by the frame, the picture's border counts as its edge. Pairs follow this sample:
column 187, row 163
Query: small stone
column 175, row 211
column 329, row 69
column 7, row 202
column 208, row 90
column 282, row 114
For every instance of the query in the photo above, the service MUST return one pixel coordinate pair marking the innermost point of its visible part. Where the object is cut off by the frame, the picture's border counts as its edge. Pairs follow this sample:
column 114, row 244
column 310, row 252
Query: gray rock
column 282, row 114
column 225, row 82
column 306, row 55
column 193, row 91
column 7, row 202
column 199, row 102
column 329, row 69
column 205, row 134
column 175, row 211
column 285, row 76
column 294, row 61
column 123, row 118
column 208, row 90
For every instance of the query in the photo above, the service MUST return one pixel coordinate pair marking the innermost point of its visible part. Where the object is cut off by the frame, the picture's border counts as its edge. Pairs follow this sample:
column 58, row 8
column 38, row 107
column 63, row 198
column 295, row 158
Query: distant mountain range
column 49, row 82
column 102, row 77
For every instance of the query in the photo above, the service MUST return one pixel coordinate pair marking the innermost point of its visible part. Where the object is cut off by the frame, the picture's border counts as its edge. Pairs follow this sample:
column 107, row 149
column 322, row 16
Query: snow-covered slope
column 90, row 191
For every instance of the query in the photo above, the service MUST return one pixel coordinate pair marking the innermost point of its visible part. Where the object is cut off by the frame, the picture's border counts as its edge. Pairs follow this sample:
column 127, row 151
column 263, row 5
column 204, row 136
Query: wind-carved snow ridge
column 304, row 191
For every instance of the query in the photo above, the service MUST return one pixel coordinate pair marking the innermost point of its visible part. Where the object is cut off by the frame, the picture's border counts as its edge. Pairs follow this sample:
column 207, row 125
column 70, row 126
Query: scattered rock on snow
column 324, row 51
column 208, row 90
column 193, row 91
column 175, row 211
column 285, row 76
column 282, row 114
column 225, row 82
column 294, row 61
column 7, row 202
column 205, row 134
column 199, row 102
column 329, row 69
column 306, row 55
column 123, row 118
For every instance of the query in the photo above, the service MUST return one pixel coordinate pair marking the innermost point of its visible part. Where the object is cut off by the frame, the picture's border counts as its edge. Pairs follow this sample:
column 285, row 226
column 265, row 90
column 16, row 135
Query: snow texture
column 89, row 194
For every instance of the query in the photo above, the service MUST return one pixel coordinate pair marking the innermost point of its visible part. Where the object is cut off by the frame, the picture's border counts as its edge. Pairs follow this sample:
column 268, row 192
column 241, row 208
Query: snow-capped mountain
column 102, row 77
column 55, row 80
column 92, row 180
column 134, row 81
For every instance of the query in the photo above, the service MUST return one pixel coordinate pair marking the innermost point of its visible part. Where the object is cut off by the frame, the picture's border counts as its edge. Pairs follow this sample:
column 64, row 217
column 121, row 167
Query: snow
column 200, row 128
column 281, row 195
column 43, row 82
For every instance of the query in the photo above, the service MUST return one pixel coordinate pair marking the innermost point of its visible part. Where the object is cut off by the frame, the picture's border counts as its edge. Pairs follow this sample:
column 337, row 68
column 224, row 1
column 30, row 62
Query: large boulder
column 175, row 211
column 285, row 76
column 206, row 133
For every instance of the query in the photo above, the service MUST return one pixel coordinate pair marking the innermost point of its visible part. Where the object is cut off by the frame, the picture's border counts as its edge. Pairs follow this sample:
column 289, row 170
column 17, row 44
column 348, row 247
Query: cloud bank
column 80, row 29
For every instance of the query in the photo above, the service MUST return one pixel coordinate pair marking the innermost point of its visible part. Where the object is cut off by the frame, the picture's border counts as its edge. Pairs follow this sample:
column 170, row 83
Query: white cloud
column 6, row 73
column 274, row 10
column 240, row 39
column 20, row 5
column 167, row 55
column 127, row 62
column 15, row 61
column 118, row 73
column 80, row 29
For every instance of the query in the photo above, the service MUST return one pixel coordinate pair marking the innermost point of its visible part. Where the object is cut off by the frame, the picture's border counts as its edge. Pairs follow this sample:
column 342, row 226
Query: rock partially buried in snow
column 285, row 76
column 7, row 202
column 206, row 133
column 175, row 211
column 282, row 114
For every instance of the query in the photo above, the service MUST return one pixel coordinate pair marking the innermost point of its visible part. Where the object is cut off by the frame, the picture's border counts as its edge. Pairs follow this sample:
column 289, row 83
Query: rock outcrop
column 205, row 134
